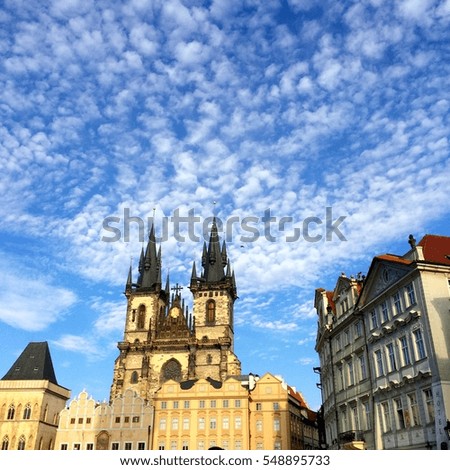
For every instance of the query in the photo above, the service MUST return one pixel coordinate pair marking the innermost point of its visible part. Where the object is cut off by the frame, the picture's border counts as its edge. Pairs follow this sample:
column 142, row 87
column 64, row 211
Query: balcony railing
column 351, row 436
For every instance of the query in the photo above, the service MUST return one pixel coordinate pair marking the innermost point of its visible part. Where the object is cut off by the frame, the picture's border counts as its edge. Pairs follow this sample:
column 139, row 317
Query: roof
column 436, row 249
column 393, row 258
column 35, row 363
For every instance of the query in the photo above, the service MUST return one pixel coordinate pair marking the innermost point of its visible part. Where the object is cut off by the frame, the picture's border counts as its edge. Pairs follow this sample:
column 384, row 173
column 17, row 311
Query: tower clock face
column 175, row 312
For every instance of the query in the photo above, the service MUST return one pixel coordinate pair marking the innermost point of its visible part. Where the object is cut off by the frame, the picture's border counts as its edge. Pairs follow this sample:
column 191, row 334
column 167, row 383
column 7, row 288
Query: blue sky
column 157, row 108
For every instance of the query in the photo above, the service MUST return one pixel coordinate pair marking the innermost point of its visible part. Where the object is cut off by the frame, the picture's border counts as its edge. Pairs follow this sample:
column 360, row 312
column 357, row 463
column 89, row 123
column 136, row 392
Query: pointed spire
column 150, row 277
column 224, row 254
column 167, row 288
column 129, row 280
column 213, row 262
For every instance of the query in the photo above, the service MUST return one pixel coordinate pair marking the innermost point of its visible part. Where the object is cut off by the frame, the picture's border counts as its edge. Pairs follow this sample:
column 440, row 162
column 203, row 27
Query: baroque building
column 383, row 341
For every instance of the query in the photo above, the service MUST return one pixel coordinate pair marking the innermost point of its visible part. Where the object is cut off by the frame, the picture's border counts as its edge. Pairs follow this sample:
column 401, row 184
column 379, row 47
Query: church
column 177, row 383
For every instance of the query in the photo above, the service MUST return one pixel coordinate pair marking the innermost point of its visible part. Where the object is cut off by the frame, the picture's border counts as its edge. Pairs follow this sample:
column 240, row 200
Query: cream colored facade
column 29, row 411
column 385, row 355
column 86, row 424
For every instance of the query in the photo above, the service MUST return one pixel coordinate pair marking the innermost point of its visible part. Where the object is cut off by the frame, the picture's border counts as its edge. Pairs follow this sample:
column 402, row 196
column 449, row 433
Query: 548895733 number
column 301, row 460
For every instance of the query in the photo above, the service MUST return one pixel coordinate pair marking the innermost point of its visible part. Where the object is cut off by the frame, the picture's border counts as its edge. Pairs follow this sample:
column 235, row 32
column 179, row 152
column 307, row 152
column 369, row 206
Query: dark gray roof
column 35, row 363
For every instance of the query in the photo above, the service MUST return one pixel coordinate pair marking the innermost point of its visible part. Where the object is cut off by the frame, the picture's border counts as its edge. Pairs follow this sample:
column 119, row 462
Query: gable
column 384, row 272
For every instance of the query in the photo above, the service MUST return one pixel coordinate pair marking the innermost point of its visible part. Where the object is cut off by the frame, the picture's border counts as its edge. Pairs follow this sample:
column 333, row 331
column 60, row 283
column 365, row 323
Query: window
column 5, row 444
column 27, row 411
column 174, row 424
column 141, row 317
column 212, row 404
column 210, row 311
column 338, row 343
column 355, row 418
column 400, row 418
column 201, row 445
column 391, row 357
column 362, row 367
column 258, row 406
column 358, row 329
column 276, row 425
column 259, row 425
column 386, row 417
column 141, row 446
column 351, row 373
column 115, row 446
column 277, row 445
column 276, row 406
column 11, row 412
column 185, row 424
column 89, row 446
column 237, row 403
column 385, row 311
column 367, row 419
column 397, row 303
column 347, row 337
column 379, row 362
column 225, row 422
column 134, row 378
column 201, row 423
column 341, row 377
column 411, row 294
column 405, row 351
column 374, row 319
column 212, row 423
column 80, row 420
column 420, row 348
column 161, row 446
column 186, row 404
column 126, row 419
column 225, row 403
column 163, row 405
column 429, row 404
column 162, row 424
column 117, row 419
column 22, row 442
column 128, row 446
column 175, row 405
column 237, row 422
column 173, row 445
column 63, row 447
column 412, row 399
column 185, row 445
column 201, row 404
column 238, row 444
column 135, row 419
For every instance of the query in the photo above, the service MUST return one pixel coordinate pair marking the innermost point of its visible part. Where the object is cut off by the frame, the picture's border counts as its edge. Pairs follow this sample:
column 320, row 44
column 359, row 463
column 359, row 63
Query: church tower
column 214, row 294
column 162, row 340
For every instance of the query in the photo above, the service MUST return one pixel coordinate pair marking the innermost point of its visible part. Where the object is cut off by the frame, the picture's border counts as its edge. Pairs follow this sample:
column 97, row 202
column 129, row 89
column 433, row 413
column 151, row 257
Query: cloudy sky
column 316, row 131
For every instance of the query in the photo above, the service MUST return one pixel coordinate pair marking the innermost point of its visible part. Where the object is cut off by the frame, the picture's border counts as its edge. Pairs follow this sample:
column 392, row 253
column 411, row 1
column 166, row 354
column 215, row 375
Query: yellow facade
column 29, row 412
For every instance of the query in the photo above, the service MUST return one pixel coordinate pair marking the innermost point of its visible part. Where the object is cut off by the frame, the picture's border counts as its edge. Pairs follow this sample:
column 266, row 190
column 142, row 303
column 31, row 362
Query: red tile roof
column 436, row 248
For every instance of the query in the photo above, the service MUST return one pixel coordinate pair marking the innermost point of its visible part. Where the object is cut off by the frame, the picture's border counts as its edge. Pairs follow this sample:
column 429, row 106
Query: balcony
column 352, row 440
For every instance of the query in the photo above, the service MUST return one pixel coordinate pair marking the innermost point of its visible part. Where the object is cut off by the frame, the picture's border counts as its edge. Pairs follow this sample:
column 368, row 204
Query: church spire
column 213, row 265
column 150, row 265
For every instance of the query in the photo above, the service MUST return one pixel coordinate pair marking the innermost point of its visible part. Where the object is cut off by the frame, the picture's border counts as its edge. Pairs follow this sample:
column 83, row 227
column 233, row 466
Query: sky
column 316, row 131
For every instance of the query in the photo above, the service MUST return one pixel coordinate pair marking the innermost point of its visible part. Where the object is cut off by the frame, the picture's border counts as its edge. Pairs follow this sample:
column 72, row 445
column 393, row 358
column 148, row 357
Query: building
column 383, row 341
column 30, row 401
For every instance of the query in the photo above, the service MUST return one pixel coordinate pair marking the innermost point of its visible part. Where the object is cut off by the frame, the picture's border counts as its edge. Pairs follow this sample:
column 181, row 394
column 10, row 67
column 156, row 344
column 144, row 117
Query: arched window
column 5, row 443
column 11, row 412
column 22, row 442
column 141, row 317
column 27, row 411
column 134, row 378
column 210, row 311
column 171, row 370
column 45, row 413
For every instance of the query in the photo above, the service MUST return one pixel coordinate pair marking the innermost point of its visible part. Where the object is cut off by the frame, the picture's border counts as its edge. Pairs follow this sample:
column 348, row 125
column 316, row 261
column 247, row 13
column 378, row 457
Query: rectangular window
column 237, row 403
column 258, row 406
column 397, row 303
column 212, row 404
column 358, row 329
column 351, row 373
column 374, row 319
column 163, row 405
column 115, row 446
column 368, row 424
column 237, row 422
column 185, row 424
column 185, row 445
column 212, row 423
column 355, row 418
column 276, row 425
column 391, row 357
column 385, row 311
column 175, row 424
column 117, row 420
column 341, row 377
column 201, row 404
column 162, row 424
column 362, row 367
column 276, row 406
column 412, row 399
column 5, row 446
column 259, row 425
column 201, row 423
column 128, row 446
column 386, row 417
column 186, row 404
column 77, row 446
column 173, row 445
column 141, row 445
column 420, row 348
column 347, row 337
column 89, row 446
column 238, row 445
column 411, row 294
column 379, row 363
column 400, row 418
column 429, row 404
column 175, row 405
column 225, row 403
column 161, row 446
column 225, row 422
column 338, row 343
column 135, row 419
column 405, row 351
